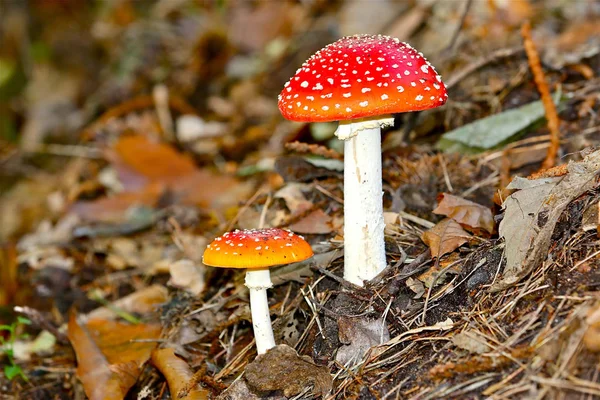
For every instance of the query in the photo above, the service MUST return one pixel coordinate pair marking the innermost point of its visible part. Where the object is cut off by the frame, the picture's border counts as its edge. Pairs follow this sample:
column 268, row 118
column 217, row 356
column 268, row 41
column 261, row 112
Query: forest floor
column 133, row 133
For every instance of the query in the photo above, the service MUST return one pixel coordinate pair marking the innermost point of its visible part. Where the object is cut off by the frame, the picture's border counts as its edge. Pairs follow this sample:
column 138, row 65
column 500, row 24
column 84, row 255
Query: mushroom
column 257, row 250
column 360, row 81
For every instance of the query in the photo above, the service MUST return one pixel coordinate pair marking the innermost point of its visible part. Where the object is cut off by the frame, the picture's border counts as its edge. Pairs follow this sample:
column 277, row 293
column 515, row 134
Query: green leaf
column 12, row 371
column 489, row 132
column 9, row 328
column 23, row 320
column 7, row 70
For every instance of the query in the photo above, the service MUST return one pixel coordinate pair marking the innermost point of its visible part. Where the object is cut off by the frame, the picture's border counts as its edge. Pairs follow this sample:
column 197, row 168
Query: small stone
column 281, row 369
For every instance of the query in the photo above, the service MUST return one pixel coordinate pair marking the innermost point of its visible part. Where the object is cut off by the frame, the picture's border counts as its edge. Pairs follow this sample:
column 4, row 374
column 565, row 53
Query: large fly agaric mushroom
column 257, row 250
column 360, row 81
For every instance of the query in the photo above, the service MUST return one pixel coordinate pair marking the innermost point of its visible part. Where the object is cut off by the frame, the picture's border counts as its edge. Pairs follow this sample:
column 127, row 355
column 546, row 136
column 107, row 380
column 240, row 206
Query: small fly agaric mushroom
column 257, row 250
column 360, row 80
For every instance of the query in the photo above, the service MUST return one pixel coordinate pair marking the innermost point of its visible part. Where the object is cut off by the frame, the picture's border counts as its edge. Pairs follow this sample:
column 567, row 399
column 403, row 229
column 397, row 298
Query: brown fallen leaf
column 178, row 374
column 122, row 343
column 591, row 338
column 359, row 335
column 101, row 380
column 148, row 171
column 465, row 212
column 445, row 237
column 112, row 209
column 139, row 160
column 140, row 302
column 187, row 275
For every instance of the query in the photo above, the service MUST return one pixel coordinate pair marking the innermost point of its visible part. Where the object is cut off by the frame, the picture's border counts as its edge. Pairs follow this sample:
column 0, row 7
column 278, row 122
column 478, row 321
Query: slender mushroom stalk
column 360, row 80
column 257, row 282
column 257, row 250
column 364, row 250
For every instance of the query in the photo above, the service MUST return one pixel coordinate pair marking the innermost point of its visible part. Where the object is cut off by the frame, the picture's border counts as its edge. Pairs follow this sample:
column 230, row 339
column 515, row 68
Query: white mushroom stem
column 257, row 282
column 364, row 248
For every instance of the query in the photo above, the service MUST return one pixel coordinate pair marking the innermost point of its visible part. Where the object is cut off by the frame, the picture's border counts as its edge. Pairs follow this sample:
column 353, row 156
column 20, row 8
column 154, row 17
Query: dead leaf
column 299, row 169
column 445, row 237
column 112, row 209
column 416, row 286
column 185, row 274
column 101, row 380
column 360, row 335
column 148, row 170
column 282, row 369
column 139, row 160
column 178, row 374
column 470, row 341
column 123, row 343
column 519, row 226
column 577, row 42
column 292, row 194
column 527, row 243
column 142, row 302
column 465, row 212
column 591, row 338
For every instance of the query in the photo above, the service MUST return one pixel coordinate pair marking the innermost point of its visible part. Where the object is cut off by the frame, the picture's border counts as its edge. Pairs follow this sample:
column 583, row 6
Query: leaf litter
column 170, row 135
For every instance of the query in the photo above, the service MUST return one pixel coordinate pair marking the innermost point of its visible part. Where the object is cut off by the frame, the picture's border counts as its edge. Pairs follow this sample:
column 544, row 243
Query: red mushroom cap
column 256, row 248
column 361, row 76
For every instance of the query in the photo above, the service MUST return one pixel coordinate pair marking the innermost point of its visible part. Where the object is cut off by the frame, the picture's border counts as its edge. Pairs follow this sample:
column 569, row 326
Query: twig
column 263, row 214
column 40, row 320
column 492, row 58
column 340, row 280
column 136, row 104
column 542, row 85
column 559, row 170
column 194, row 380
column 417, row 265
column 245, row 207
column 160, row 94
column 69, row 150
column 461, row 23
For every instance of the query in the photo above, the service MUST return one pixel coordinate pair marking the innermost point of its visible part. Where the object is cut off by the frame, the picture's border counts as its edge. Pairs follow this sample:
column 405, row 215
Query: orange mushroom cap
column 361, row 76
column 256, row 249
